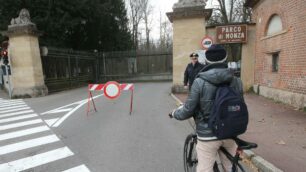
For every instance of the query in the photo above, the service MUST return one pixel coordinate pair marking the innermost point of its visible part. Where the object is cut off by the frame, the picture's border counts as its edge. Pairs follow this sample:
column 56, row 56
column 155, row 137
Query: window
column 275, row 25
column 275, row 62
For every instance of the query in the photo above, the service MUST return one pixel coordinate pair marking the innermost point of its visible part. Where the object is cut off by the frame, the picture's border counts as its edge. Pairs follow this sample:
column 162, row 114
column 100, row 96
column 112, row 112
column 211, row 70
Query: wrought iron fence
column 132, row 65
column 65, row 69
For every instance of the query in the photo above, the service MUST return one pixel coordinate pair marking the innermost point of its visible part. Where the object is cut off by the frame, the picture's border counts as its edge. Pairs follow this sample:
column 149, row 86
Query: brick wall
column 291, row 43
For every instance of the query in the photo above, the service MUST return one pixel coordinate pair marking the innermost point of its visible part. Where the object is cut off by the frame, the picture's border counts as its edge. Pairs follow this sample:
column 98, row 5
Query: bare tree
column 243, row 13
column 147, row 10
column 136, row 15
column 165, row 34
column 231, row 11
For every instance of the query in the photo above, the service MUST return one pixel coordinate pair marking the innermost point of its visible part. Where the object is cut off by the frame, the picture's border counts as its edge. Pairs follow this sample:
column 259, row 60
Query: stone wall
column 187, row 39
column 294, row 99
column 248, row 59
column 189, row 24
column 27, row 74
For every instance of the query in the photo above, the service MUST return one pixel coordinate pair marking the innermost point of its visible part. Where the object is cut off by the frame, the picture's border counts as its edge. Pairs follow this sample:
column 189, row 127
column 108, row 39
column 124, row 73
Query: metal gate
column 136, row 66
column 65, row 69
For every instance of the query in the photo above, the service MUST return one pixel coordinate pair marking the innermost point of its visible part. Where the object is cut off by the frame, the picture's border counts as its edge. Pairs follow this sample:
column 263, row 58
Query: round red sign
column 112, row 90
column 206, row 42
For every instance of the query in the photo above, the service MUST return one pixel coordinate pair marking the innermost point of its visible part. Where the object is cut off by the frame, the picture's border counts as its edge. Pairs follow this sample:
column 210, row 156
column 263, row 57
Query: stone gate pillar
column 189, row 27
column 24, row 53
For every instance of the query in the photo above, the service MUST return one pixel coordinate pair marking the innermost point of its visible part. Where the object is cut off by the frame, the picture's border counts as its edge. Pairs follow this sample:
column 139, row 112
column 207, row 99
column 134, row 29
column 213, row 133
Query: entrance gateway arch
column 189, row 28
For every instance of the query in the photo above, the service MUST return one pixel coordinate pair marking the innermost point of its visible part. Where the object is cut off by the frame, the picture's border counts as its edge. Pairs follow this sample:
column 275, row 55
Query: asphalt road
column 111, row 140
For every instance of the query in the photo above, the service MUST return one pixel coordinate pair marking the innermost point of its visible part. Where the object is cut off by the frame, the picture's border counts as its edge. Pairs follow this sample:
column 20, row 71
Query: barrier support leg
column 90, row 98
column 88, row 103
column 93, row 102
column 131, row 106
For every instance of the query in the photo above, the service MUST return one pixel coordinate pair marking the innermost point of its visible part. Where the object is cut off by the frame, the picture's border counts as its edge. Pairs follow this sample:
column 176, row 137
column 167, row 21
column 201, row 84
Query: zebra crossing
column 27, row 142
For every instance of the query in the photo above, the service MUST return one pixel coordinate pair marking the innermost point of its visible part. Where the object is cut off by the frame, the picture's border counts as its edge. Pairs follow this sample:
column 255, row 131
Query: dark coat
column 191, row 72
column 202, row 94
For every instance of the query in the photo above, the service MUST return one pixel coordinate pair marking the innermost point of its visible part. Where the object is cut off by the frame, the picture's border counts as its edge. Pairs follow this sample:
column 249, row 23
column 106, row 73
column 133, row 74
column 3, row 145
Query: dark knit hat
column 216, row 54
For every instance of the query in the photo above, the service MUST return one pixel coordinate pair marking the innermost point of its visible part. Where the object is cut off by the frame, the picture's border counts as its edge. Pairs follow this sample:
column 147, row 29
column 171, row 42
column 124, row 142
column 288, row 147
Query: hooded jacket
column 202, row 95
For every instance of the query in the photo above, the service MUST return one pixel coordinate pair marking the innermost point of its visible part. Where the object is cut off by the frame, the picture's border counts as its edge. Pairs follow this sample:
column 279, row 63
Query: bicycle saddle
column 244, row 145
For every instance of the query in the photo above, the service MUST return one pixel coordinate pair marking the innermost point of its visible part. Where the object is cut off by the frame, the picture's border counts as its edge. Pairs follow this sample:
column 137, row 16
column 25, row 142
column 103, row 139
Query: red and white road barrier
column 100, row 87
column 112, row 90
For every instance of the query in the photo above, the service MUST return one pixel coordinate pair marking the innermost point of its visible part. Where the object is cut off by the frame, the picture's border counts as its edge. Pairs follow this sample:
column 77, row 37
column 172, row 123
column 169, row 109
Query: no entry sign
column 112, row 90
column 206, row 42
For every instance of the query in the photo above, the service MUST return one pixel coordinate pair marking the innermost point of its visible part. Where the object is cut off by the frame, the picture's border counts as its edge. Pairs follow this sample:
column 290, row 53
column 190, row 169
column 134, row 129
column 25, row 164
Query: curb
column 256, row 161
column 261, row 164
column 177, row 100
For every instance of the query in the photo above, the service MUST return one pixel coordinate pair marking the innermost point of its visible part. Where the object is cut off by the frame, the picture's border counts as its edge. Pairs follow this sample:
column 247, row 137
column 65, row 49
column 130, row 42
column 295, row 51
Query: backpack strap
column 217, row 86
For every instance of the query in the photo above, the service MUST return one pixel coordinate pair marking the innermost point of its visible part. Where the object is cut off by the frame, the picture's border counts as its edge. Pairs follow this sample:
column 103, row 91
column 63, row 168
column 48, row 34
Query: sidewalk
column 3, row 94
column 279, row 131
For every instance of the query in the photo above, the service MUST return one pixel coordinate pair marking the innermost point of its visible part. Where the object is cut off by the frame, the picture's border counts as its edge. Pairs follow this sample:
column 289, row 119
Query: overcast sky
column 164, row 6
column 160, row 7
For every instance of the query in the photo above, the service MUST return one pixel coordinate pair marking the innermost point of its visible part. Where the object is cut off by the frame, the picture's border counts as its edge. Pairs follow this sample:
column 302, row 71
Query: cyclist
column 199, row 104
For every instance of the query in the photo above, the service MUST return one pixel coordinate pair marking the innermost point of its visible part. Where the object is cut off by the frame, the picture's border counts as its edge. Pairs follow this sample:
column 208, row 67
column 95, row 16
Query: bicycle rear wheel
column 190, row 154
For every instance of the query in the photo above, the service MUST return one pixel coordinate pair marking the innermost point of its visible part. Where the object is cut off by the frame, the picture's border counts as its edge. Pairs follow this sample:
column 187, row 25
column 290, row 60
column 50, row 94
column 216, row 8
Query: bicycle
column 190, row 157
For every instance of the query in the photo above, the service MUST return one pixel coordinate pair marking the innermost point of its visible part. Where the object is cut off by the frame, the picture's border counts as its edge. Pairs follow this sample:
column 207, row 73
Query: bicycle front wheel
column 190, row 154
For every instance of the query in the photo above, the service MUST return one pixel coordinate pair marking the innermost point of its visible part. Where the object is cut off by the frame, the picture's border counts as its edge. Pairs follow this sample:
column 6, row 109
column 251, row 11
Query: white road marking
column 14, row 110
column 12, row 107
column 67, row 115
column 11, row 113
column 81, row 168
column 16, row 113
column 21, row 133
column 10, row 104
column 28, row 144
column 17, row 118
column 10, row 101
column 60, row 111
column 50, row 122
column 63, row 118
column 20, row 124
column 36, row 160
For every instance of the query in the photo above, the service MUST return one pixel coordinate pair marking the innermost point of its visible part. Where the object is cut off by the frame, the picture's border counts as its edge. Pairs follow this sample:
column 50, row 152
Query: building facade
column 280, row 50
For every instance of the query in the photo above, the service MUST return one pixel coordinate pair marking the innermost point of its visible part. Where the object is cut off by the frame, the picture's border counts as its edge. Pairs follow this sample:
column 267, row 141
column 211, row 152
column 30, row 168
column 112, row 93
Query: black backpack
column 229, row 114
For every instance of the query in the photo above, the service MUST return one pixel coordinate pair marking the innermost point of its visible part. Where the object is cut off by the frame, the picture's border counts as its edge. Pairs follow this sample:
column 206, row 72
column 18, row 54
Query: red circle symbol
column 112, row 90
column 206, row 42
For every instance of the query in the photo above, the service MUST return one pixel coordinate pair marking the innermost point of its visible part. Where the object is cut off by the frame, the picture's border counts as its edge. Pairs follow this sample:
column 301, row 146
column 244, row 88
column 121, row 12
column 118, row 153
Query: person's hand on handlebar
column 171, row 115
